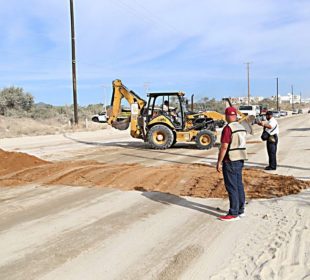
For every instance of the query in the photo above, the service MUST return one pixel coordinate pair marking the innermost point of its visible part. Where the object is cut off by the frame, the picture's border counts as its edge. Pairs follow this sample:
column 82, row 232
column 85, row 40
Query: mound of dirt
column 180, row 179
column 12, row 162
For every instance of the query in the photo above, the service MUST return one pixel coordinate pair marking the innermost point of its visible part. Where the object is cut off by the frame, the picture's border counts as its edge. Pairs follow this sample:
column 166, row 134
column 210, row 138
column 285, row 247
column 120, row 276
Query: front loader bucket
column 121, row 125
column 247, row 122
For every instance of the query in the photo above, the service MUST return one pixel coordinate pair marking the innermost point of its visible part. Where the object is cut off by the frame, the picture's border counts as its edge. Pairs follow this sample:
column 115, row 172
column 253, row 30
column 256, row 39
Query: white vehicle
column 101, row 117
column 250, row 110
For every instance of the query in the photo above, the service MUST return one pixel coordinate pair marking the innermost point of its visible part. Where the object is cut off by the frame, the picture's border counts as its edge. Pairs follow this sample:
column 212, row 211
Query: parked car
column 101, row 117
column 300, row 111
column 295, row 111
column 283, row 113
column 276, row 114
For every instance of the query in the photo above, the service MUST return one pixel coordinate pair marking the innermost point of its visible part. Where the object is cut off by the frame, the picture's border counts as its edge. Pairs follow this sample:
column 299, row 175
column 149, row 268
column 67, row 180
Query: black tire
column 205, row 140
column 95, row 119
column 160, row 137
column 174, row 141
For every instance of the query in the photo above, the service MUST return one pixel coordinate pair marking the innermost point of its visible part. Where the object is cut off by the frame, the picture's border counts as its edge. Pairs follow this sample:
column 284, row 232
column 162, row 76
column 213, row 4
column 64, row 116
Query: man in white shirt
column 166, row 106
column 272, row 127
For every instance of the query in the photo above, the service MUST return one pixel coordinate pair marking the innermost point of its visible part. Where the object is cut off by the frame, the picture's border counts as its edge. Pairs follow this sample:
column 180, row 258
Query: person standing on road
column 272, row 127
column 231, row 157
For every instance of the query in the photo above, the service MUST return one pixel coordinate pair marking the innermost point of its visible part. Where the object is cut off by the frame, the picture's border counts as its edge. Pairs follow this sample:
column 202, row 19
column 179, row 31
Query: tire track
column 277, row 244
column 69, row 244
column 24, row 237
column 127, row 255
column 50, row 205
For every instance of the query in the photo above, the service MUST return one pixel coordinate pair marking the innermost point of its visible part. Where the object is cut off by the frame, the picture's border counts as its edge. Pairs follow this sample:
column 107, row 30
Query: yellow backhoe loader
column 164, row 120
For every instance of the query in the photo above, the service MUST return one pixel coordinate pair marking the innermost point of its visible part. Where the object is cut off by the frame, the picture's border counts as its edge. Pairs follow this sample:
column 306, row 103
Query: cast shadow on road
column 166, row 198
column 303, row 198
column 212, row 162
column 300, row 129
column 133, row 145
column 251, row 164
column 159, row 159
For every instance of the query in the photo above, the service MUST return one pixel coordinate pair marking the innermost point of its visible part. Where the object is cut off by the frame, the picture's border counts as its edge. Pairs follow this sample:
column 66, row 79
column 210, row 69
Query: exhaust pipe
column 192, row 103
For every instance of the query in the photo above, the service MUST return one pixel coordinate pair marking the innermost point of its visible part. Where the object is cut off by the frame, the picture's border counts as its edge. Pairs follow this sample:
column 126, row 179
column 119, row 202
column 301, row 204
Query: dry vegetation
column 14, row 127
column 20, row 115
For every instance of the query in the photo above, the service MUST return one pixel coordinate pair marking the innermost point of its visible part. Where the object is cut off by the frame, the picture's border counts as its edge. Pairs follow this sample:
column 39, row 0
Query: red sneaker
column 229, row 218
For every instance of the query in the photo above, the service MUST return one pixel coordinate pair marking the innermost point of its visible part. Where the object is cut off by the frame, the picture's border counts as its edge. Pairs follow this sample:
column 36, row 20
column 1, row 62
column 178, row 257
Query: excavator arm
column 245, row 121
column 137, row 105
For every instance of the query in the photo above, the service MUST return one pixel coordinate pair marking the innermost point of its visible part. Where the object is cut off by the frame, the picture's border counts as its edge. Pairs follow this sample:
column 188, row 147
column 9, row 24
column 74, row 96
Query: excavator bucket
column 121, row 125
column 247, row 122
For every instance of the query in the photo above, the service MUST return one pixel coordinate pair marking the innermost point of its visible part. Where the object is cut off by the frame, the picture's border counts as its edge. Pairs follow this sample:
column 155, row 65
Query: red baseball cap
column 232, row 111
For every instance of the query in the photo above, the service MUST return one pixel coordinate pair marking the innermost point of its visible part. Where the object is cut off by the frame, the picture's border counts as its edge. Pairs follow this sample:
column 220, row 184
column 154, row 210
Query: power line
column 150, row 18
column 157, row 19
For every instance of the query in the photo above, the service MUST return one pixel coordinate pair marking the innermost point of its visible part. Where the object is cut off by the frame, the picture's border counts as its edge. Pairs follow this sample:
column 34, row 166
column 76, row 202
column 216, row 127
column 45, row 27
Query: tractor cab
column 171, row 106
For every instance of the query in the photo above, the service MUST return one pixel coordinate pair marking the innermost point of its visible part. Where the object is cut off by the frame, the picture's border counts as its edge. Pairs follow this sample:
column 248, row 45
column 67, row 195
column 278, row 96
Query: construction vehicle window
column 159, row 103
column 150, row 106
column 184, row 104
column 174, row 104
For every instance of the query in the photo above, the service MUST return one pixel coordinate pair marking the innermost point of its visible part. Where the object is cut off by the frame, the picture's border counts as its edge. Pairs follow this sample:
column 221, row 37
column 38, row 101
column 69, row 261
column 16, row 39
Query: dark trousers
column 232, row 172
column 272, row 152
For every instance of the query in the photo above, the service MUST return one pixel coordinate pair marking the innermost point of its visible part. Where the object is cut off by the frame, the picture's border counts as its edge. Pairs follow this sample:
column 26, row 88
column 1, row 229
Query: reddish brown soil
column 180, row 179
column 11, row 162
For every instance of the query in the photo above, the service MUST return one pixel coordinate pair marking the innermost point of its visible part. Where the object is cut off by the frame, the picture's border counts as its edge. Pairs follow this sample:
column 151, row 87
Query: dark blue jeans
column 232, row 172
column 272, row 152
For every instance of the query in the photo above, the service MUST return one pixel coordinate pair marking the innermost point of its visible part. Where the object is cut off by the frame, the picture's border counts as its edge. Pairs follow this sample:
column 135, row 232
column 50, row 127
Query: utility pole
column 300, row 97
column 76, row 120
column 292, row 91
column 277, row 94
column 248, row 75
column 146, row 87
column 105, row 97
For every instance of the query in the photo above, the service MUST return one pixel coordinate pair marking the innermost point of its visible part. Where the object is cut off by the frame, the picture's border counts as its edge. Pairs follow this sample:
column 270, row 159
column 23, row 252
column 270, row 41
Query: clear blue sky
column 197, row 46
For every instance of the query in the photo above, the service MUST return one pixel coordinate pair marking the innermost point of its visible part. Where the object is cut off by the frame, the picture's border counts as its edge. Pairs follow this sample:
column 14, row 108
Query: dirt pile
column 12, row 162
column 180, row 179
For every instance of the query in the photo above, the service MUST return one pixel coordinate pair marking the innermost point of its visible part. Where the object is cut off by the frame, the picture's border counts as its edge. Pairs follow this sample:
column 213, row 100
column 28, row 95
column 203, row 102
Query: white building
column 287, row 98
column 244, row 99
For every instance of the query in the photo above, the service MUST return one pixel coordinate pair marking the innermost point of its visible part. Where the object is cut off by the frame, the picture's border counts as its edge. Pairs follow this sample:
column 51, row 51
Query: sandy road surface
column 61, row 232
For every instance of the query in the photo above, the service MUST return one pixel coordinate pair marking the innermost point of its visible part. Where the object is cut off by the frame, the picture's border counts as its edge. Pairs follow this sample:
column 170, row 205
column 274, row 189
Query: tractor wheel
column 174, row 141
column 205, row 140
column 160, row 137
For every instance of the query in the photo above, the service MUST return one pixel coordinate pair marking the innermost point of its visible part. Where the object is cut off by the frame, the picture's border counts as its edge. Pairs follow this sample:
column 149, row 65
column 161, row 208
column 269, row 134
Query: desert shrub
column 14, row 98
column 40, row 112
column 206, row 104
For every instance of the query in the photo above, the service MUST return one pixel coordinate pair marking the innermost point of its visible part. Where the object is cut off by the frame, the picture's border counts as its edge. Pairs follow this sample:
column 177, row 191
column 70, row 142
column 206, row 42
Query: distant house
column 287, row 98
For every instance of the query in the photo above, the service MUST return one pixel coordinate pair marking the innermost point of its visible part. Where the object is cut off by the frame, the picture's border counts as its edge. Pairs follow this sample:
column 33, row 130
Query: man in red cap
column 231, row 159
